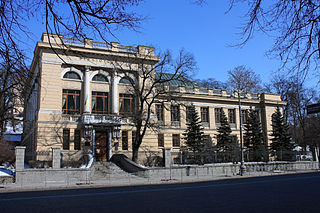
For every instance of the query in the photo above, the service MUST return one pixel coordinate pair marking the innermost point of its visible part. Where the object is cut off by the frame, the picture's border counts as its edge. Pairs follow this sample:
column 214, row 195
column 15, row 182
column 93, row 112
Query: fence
column 234, row 156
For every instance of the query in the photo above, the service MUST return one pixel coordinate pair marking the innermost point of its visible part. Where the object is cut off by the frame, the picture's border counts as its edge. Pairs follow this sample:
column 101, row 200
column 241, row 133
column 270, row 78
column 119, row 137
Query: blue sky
column 206, row 31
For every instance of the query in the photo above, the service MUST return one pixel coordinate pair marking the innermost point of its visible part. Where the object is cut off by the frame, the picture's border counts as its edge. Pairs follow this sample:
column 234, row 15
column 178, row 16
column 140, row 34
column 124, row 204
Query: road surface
column 283, row 193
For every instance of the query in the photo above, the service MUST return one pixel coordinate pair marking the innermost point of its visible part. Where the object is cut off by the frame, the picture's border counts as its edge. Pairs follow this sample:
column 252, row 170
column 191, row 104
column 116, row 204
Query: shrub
column 6, row 153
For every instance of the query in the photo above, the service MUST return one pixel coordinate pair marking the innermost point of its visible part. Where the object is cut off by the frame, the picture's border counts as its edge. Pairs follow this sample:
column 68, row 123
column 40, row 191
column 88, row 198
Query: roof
column 176, row 81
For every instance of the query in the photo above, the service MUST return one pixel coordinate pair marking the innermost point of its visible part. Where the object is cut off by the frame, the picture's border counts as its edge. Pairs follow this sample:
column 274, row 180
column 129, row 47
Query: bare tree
column 244, row 80
column 211, row 83
column 150, row 88
column 295, row 25
column 297, row 96
column 75, row 18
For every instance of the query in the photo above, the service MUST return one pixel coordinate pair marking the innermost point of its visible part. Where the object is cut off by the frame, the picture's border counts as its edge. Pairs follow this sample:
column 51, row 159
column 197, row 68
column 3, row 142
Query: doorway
column 101, row 143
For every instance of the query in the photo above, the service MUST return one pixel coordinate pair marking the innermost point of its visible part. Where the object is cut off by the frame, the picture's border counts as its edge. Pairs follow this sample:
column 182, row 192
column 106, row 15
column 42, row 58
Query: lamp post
column 241, row 137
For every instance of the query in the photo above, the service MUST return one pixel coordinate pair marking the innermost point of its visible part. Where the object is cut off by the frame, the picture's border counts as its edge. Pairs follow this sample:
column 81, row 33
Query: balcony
column 101, row 119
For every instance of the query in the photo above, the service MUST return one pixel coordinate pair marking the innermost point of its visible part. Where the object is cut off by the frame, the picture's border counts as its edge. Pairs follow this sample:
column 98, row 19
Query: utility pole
column 241, row 138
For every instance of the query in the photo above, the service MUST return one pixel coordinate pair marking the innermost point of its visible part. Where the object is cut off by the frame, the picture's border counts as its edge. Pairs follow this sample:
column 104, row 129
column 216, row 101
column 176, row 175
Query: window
column 100, row 77
column 66, row 139
column 204, row 114
column 124, row 138
column 72, row 75
column 218, row 112
column 134, row 137
column 160, row 140
column 175, row 116
column 99, row 102
column 188, row 113
column 125, row 80
column 70, row 101
column 232, row 116
column 159, row 111
column 244, row 116
column 126, row 104
column 77, row 139
column 175, row 140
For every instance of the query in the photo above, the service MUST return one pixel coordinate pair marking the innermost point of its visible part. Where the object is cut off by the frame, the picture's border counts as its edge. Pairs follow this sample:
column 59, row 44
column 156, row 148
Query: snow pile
column 89, row 164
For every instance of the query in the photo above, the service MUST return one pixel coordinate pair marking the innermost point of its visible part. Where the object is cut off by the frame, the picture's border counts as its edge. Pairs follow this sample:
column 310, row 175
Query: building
column 79, row 101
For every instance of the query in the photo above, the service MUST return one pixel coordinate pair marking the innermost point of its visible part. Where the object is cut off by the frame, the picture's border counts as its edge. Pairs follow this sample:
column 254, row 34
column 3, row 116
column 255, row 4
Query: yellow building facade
column 79, row 100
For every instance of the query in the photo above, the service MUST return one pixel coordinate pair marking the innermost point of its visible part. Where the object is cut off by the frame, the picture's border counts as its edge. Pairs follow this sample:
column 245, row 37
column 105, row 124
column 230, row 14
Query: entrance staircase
column 108, row 172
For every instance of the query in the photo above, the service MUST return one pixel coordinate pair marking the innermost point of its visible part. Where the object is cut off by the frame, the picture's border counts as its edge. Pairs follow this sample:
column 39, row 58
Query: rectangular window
column 204, row 114
column 159, row 111
column 66, row 139
column 124, row 137
column 175, row 116
column 188, row 113
column 99, row 102
column 175, row 140
column 244, row 116
column 232, row 116
column 134, row 137
column 217, row 113
column 160, row 140
column 126, row 104
column 77, row 139
column 70, row 101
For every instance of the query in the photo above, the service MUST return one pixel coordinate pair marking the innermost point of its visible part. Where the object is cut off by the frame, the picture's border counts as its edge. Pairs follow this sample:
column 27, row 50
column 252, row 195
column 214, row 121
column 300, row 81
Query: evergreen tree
column 194, row 134
column 281, row 145
column 227, row 144
column 254, row 138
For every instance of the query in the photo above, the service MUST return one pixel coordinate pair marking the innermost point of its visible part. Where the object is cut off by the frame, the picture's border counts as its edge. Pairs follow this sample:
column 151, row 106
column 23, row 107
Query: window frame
column 175, row 113
column 122, row 98
column 66, row 139
column 105, row 79
column 77, row 103
column 160, row 113
column 188, row 110
column 217, row 115
column 232, row 116
column 160, row 140
column 105, row 102
column 67, row 76
column 176, row 140
column 77, row 139
column 124, row 140
column 204, row 114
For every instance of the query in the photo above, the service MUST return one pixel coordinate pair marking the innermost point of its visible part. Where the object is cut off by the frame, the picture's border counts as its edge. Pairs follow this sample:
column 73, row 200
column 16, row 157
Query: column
column 20, row 152
column 56, row 157
column 115, row 95
column 86, row 91
column 166, row 157
column 109, row 144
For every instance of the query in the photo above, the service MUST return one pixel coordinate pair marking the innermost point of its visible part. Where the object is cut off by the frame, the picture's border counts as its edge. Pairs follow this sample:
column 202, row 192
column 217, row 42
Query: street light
column 241, row 138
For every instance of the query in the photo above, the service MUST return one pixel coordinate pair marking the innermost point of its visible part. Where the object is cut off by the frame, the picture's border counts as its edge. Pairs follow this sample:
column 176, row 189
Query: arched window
column 71, row 75
column 100, row 77
column 125, row 80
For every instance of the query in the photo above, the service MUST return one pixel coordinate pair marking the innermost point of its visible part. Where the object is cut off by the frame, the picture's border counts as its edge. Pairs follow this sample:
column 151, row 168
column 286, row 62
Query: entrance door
column 101, row 140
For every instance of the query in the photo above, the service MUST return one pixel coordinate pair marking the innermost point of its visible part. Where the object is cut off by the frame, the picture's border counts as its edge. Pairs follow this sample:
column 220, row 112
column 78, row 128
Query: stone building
column 79, row 101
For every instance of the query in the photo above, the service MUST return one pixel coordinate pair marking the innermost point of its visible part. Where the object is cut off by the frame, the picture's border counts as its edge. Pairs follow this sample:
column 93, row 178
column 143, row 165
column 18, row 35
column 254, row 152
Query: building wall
column 44, row 106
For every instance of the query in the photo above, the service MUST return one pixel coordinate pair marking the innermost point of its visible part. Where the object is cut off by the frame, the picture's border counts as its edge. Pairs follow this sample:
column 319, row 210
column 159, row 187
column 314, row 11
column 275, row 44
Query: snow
column 86, row 166
column 5, row 172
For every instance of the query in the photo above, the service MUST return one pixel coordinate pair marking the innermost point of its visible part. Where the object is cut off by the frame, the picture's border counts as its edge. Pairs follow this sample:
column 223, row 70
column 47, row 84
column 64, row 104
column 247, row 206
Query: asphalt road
column 284, row 193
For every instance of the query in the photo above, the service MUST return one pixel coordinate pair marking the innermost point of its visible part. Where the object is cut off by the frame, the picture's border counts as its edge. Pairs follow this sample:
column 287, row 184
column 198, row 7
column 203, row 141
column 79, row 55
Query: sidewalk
column 133, row 180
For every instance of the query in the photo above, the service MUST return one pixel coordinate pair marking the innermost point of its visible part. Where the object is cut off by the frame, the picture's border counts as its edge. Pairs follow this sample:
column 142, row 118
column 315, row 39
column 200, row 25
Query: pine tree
column 227, row 144
column 282, row 145
column 254, row 138
column 194, row 134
